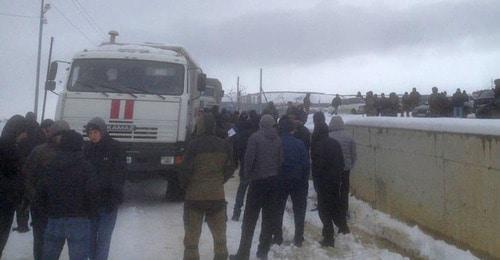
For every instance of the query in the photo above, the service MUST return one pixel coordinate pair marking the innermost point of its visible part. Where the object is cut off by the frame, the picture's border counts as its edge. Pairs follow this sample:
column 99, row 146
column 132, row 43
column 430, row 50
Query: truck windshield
column 126, row 76
column 209, row 91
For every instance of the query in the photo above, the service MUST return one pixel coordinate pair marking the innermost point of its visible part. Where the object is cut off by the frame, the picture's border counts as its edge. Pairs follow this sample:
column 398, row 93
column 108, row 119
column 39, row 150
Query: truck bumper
column 145, row 160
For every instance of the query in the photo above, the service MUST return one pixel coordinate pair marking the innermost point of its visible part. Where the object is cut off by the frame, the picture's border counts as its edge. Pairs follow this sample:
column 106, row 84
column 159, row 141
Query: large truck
column 148, row 94
column 212, row 95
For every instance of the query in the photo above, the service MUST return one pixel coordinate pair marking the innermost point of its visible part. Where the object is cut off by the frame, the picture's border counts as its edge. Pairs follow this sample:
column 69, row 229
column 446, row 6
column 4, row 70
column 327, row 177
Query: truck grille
column 135, row 133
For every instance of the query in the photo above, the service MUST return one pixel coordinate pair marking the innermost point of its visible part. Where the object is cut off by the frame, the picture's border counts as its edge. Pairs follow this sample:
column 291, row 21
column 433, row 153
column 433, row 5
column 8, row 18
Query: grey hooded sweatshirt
column 348, row 145
column 264, row 155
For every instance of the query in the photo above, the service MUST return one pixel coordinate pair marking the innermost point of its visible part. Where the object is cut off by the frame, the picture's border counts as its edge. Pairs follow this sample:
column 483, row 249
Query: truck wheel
column 174, row 191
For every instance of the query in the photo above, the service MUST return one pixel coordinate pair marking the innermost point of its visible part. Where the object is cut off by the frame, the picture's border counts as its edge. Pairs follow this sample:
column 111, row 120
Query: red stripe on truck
column 115, row 109
column 129, row 109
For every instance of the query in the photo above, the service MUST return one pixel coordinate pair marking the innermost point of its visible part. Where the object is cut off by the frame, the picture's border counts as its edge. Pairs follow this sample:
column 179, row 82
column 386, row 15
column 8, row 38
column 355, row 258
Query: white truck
column 148, row 94
column 212, row 95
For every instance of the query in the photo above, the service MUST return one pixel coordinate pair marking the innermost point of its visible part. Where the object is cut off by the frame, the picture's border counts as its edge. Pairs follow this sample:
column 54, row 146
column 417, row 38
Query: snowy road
column 149, row 228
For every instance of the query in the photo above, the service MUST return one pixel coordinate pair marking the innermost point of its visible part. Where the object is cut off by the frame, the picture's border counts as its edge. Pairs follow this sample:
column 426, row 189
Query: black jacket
column 68, row 188
column 303, row 134
column 108, row 158
column 326, row 155
column 11, row 182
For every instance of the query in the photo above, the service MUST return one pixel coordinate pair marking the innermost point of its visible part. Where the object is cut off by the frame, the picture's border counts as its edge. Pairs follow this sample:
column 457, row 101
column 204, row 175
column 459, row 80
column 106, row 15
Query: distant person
column 11, row 182
column 301, row 132
column 359, row 95
column 208, row 164
column 307, row 103
column 458, row 102
column 495, row 111
column 263, row 160
column 294, row 180
column 336, row 103
column 348, row 146
column 370, row 107
column 393, row 106
column 270, row 109
column 108, row 158
column 319, row 121
column 329, row 167
column 434, row 103
column 414, row 98
column 68, row 193
column 406, row 101
column 378, row 105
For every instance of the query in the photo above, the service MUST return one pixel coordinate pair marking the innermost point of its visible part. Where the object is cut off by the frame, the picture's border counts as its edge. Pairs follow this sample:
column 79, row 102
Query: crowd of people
column 71, row 189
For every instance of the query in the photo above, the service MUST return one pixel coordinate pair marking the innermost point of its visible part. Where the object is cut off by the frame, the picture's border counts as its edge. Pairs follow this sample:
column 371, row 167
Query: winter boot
column 238, row 257
column 344, row 230
column 236, row 215
column 327, row 242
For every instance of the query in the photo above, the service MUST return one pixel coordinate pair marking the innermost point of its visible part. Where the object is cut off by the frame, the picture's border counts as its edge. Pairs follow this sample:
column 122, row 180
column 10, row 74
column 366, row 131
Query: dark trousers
column 38, row 224
column 22, row 214
column 75, row 230
column 262, row 195
column 344, row 192
column 215, row 214
column 240, row 197
column 329, row 207
column 101, row 228
column 296, row 189
column 6, row 217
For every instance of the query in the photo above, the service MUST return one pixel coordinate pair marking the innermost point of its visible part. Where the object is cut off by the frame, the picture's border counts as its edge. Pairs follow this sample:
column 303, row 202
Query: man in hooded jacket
column 348, row 145
column 329, row 167
column 11, row 184
column 295, row 180
column 208, row 164
column 34, row 170
column 263, row 160
column 68, row 192
column 108, row 157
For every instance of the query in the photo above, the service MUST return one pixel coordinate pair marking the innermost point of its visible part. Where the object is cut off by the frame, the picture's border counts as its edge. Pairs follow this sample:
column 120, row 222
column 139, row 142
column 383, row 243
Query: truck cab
column 148, row 94
column 212, row 95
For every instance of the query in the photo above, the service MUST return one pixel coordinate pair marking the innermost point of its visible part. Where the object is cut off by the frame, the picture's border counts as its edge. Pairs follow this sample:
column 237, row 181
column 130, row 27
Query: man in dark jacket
column 108, row 157
column 301, row 132
column 263, row 159
column 34, row 170
column 34, row 138
column 244, row 129
column 434, row 103
column 328, row 164
column 414, row 98
column 295, row 180
column 336, row 103
column 11, row 184
column 67, row 193
column 319, row 121
column 208, row 164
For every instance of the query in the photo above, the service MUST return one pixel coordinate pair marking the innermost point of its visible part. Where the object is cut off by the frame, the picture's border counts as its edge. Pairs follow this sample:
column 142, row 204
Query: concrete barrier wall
column 447, row 183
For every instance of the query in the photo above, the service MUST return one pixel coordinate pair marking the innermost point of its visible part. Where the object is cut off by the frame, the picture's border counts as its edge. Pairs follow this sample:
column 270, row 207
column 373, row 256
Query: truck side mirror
column 202, row 82
column 51, row 76
column 50, row 85
column 222, row 93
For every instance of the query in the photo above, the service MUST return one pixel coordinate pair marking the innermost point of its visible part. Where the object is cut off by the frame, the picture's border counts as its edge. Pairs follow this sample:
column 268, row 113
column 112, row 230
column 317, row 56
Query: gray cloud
column 330, row 31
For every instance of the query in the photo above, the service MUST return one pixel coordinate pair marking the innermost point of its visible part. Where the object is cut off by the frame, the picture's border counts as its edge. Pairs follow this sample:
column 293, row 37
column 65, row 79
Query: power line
column 91, row 22
column 91, row 18
column 17, row 15
column 73, row 25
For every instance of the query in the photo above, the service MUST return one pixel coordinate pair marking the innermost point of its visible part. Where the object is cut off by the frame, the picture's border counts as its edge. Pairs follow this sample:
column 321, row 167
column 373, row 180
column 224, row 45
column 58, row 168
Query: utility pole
column 260, row 92
column 48, row 70
column 238, row 106
column 43, row 9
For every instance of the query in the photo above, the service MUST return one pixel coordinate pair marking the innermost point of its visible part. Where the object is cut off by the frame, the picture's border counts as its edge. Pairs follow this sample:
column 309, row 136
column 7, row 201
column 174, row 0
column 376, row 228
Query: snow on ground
column 150, row 228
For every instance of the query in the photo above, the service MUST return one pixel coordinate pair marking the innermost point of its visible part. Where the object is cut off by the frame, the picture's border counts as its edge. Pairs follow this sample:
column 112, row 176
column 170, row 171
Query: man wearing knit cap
column 33, row 170
column 108, row 157
column 263, row 159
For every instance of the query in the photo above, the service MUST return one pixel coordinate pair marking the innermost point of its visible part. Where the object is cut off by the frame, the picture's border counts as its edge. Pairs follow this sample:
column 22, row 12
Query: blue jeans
column 75, row 230
column 102, row 227
column 458, row 111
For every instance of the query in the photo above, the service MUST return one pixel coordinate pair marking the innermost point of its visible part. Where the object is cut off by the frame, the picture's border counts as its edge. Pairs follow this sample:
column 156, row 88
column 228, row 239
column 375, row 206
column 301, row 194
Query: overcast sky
column 341, row 46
